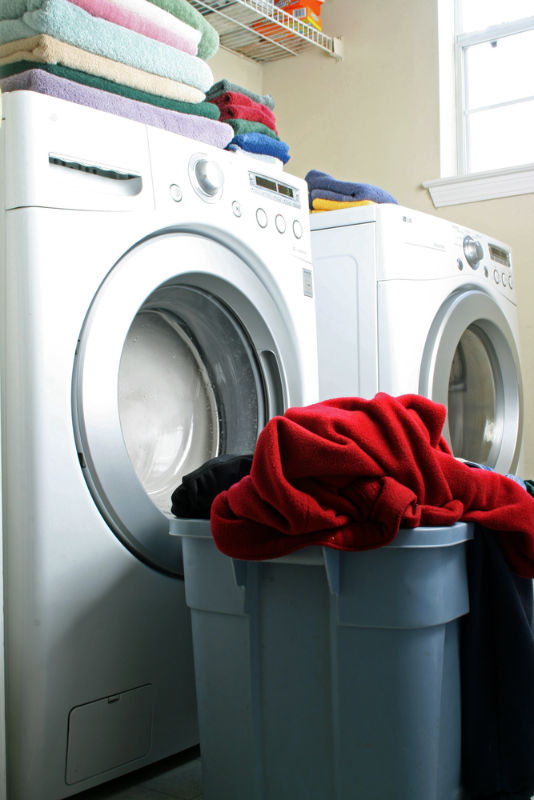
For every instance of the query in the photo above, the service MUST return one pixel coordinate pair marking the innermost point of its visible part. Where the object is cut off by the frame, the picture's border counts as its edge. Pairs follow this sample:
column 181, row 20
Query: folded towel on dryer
column 246, row 126
column 237, row 98
column 337, row 197
column 224, row 85
column 182, row 9
column 76, row 75
column 253, row 113
column 145, row 18
column 195, row 127
column 259, row 143
column 71, row 24
column 47, row 50
column 321, row 181
column 318, row 204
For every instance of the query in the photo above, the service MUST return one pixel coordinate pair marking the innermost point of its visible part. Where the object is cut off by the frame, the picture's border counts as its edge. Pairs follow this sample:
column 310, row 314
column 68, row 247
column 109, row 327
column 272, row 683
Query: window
column 486, row 100
column 494, row 46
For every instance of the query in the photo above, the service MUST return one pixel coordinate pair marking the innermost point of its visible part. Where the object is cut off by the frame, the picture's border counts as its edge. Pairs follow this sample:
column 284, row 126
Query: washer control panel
column 274, row 189
column 272, row 204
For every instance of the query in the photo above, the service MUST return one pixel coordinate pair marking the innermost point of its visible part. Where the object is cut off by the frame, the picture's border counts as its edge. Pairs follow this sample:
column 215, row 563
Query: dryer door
column 471, row 365
column 184, row 355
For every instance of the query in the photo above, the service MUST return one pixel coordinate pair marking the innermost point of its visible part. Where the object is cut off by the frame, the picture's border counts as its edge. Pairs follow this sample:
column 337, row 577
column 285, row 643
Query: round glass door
column 186, row 366
column 183, row 356
column 472, row 403
column 471, row 365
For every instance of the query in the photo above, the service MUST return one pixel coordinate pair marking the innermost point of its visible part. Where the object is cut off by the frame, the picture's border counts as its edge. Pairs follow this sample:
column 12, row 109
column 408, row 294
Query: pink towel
column 151, row 22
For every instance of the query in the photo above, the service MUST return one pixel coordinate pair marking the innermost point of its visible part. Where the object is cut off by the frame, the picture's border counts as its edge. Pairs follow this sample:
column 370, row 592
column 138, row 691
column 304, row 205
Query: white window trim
column 489, row 185
column 458, row 189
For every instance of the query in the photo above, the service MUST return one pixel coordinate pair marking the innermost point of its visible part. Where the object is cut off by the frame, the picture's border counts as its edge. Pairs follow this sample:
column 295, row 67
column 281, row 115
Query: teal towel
column 209, row 41
column 71, row 24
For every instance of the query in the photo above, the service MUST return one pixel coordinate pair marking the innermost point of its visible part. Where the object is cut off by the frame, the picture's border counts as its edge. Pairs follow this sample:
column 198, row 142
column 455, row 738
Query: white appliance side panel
column 345, row 296
column 406, row 310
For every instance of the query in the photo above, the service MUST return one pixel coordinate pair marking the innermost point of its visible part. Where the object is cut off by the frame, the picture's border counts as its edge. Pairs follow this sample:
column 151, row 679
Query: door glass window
column 472, row 399
column 189, row 388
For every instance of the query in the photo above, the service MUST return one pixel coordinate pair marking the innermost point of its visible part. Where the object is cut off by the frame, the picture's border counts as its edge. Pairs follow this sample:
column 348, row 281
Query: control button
column 261, row 218
column 459, row 263
column 510, row 282
column 496, row 276
column 473, row 251
column 297, row 229
column 236, row 208
column 280, row 223
column 176, row 192
column 486, row 272
column 504, row 279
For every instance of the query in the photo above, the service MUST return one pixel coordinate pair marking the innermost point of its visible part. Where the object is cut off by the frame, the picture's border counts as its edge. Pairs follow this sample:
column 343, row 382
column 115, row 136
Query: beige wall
column 374, row 117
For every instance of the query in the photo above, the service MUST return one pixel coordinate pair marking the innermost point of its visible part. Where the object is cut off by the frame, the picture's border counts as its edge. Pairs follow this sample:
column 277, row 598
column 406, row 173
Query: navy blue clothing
column 497, row 676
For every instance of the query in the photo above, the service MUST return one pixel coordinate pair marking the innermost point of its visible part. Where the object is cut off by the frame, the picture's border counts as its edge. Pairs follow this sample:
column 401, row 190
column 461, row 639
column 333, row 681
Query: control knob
column 473, row 251
column 208, row 177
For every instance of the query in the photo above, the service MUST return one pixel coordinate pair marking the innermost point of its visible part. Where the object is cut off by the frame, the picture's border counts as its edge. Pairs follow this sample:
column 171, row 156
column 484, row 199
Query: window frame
column 457, row 185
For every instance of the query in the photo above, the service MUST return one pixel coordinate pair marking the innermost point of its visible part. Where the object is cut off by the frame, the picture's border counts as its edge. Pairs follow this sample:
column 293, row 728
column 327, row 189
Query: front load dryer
column 157, row 309
column 408, row 303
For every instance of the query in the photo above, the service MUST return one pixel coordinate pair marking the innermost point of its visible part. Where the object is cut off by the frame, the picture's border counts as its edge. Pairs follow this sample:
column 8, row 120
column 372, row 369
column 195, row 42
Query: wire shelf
column 261, row 31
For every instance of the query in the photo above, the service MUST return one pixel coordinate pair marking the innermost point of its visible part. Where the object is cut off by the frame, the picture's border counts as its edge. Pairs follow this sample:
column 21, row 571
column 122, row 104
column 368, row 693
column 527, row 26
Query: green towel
column 209, row 42
column 76, row 75
column 13, row 9
column 227, row 86
column 245, row 126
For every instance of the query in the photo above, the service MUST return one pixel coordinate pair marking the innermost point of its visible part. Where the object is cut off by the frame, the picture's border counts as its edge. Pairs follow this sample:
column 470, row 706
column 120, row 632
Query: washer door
column 179, row 360
column 471, row 365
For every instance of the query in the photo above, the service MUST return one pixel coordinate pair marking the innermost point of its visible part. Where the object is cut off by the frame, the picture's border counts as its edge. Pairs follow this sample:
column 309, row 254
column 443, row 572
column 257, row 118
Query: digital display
column 499, row 255
column 265, row 183
column 283, row 192
column 287, row 190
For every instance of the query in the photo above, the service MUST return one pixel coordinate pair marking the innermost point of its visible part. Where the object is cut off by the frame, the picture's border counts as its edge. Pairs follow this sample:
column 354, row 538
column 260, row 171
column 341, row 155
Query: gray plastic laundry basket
column 329, row 675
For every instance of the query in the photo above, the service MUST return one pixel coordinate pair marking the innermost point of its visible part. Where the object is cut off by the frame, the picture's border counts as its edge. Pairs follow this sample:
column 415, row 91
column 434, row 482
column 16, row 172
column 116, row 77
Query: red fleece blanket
column 251, row 111
column 348, row 473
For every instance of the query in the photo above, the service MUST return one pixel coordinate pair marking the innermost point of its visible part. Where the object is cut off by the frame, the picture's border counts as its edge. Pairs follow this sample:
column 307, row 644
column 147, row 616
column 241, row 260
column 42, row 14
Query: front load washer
column 410, row 303
column 157, row 309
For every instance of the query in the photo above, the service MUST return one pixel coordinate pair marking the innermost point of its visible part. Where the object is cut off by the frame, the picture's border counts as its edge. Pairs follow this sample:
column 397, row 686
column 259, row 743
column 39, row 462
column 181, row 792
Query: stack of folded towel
column 251, row 118
column 327, row 193
column 141, row 59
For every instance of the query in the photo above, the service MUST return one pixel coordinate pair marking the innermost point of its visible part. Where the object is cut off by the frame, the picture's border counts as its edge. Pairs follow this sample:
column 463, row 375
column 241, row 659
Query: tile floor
column 175, row 778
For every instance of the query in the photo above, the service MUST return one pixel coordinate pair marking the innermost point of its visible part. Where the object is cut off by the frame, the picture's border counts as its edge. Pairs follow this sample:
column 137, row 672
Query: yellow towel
column 47, row 50
column 319, row 204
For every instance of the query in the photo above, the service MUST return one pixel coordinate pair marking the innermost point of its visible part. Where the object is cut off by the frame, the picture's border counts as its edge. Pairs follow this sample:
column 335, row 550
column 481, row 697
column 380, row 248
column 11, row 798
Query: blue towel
column 260, row 143
column 320, row 183
column 71, row 24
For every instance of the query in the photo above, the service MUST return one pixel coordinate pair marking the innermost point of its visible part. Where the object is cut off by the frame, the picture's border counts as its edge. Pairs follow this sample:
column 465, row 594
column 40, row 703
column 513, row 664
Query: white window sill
column 482, row 186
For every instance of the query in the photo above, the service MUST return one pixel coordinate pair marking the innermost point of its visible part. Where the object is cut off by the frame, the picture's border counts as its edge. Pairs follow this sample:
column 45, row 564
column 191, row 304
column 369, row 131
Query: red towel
column 234, row 97
column 253, row 112
column 348, row 473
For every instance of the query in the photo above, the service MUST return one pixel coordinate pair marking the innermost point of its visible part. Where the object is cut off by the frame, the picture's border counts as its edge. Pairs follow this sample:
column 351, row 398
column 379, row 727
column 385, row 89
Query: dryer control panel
column 493, row 261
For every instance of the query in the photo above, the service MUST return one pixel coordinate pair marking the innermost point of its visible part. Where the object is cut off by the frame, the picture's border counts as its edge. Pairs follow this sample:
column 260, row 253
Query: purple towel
column 322, row 185
column 201, row 128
